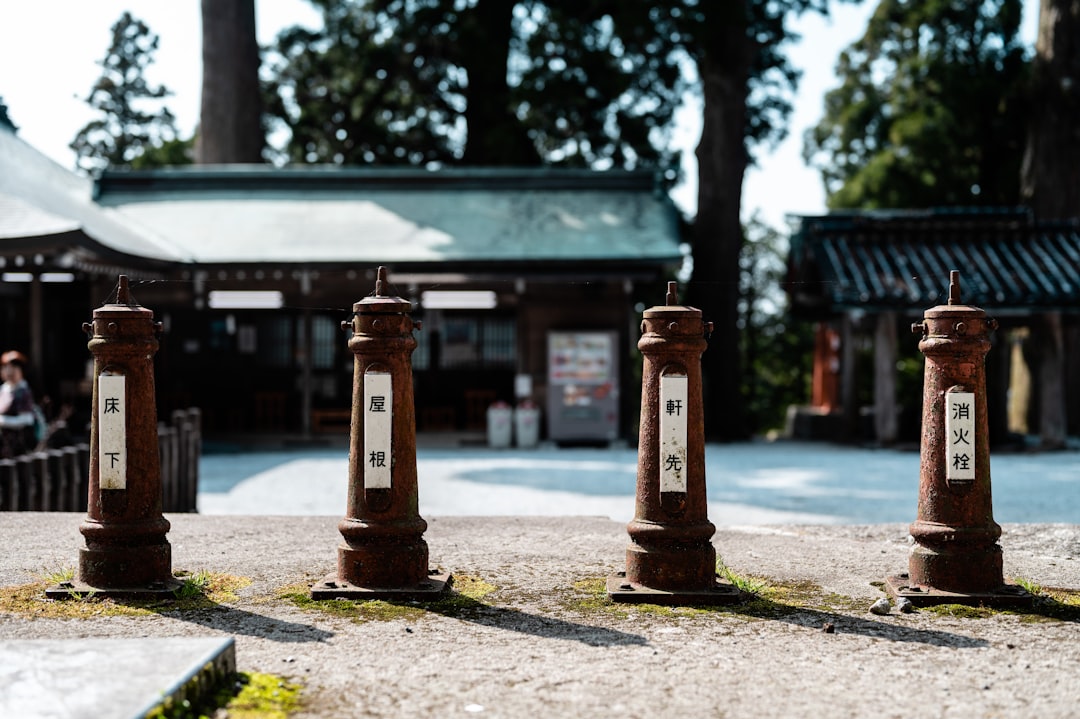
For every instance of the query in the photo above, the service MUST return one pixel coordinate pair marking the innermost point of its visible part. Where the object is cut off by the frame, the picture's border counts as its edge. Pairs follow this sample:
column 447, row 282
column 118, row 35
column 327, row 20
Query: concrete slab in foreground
column 105, row 678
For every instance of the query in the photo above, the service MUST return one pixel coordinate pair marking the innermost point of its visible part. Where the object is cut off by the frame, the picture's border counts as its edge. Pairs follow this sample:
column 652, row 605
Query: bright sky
column 49, row 50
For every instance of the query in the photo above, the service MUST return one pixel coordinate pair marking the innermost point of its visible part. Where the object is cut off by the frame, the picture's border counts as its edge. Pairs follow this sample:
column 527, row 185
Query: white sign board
column 960, row 432
column 112, row 431
column 673, row 410
column 378, row 423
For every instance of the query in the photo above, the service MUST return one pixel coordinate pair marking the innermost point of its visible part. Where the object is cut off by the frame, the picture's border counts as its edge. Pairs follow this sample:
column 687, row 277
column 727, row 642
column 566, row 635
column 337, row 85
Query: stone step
column 108, row 678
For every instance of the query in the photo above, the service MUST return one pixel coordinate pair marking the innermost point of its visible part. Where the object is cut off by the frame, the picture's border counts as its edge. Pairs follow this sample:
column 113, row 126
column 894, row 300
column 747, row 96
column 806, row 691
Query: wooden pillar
column 1072, row 377
column 825, row 388
column 998, row 374
column 848, row 395
column 1049, row 340
column 885, row 353
column 37, row 335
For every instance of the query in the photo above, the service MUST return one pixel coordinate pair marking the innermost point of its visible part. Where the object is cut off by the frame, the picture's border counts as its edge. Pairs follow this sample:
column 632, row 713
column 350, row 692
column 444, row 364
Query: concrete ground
column 543, row 644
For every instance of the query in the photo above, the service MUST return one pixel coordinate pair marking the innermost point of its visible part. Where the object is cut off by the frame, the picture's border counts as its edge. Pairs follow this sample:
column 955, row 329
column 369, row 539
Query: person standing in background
column 16, row 407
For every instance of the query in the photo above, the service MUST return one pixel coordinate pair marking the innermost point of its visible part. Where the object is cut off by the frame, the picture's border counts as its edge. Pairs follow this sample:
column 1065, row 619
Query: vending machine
column 583, row 386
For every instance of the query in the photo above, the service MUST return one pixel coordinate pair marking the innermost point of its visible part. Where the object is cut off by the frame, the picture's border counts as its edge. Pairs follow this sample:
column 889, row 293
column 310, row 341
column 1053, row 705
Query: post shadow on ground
column 456, row 605
column 471, row 610
column 536, row 625
column 229, row 620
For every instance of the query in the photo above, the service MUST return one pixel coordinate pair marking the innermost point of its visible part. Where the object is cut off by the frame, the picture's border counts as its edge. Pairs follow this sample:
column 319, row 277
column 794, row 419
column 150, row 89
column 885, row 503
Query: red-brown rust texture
column 124, row 528
column 383, row 545
column 670, row 535
column 955, row 533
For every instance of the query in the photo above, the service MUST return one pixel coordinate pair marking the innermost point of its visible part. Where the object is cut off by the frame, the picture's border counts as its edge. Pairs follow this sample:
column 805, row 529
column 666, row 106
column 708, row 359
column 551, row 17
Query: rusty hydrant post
column 671, row 559
column 383, row 553
column 956, row 557
column 126, row 551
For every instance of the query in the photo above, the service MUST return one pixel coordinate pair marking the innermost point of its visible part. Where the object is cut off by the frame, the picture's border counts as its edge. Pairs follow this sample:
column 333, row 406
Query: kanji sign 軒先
column 673, row 409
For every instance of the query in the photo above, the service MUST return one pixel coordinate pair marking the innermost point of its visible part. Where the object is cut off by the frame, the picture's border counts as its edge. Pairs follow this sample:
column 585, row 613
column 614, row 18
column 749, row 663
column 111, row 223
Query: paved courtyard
column 754, row 483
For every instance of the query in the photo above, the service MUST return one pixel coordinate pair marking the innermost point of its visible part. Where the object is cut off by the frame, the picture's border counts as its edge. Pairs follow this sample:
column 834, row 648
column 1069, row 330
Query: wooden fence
column 56, row 480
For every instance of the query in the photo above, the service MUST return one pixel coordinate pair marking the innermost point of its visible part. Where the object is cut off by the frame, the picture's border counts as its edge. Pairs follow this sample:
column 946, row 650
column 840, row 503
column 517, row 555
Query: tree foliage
column 745, row 82
column 492, row 82
column 4, row 119
column 930, row 110
column 133, row 118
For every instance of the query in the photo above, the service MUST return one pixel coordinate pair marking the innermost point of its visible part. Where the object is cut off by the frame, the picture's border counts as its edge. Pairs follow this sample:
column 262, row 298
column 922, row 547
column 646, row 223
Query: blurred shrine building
column 865, row 277
column 526, row 282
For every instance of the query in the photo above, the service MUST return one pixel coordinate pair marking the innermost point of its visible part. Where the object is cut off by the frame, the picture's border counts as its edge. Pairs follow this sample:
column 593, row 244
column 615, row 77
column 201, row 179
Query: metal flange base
column 1007, row 595
column 75, row 589
column 431, row 588
column 722, row 592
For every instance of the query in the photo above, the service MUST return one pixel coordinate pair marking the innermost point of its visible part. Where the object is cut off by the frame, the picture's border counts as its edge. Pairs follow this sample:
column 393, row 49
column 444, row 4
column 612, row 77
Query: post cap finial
column 954, row 287
column 672, row 293
column 380, row 282
column 123, row 291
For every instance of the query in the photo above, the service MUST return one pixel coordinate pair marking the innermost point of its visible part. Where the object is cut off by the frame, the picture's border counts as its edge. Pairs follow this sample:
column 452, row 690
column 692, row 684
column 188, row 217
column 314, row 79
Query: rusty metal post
column 383, row 553
column 671, row 559
column 126, row 551
column 956, row 557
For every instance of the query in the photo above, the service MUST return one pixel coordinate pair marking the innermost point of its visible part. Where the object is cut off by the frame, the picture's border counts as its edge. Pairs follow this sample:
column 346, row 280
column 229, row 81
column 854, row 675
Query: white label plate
column 378, row 423
column 960, row 432
column 112, row 431
column 673, row 410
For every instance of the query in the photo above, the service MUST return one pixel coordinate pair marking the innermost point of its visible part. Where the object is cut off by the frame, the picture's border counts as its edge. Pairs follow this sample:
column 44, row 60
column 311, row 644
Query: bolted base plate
column 431, row 588
column 1007, row 595
column 75, row 589
column 722, row 592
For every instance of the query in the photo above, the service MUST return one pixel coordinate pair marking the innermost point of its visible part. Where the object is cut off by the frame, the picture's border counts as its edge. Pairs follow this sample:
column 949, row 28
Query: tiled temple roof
column 901, row 260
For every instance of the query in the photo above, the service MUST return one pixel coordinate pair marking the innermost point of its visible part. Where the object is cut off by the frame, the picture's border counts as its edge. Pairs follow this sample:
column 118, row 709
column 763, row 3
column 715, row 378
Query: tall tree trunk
column 230, row 117
column 1050, row 179
column 1050, row 176
column 495, row 135
column 724, row 67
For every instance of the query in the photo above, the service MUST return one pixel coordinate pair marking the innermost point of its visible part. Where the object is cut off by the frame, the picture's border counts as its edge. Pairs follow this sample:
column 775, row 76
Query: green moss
column 202, row 590
column 466, row 596
column 765, row 598
column 963, row 611
column 260, row 696
column 1050, row 604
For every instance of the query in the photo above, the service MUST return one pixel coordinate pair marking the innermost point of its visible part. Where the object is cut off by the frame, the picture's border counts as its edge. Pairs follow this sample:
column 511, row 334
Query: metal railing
column 56, row 480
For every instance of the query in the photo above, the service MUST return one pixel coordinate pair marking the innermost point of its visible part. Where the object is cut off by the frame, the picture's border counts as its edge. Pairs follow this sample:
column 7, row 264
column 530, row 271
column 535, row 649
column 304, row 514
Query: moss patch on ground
column 466, row 595
column 765, row 598
column 199, row 590
column 247, row 696
column 1050, row 604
